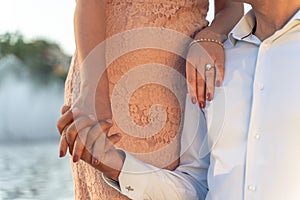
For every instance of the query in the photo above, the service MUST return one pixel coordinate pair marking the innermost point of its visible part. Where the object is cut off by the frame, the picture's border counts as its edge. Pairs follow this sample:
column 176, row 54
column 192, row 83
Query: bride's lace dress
column 184, row 16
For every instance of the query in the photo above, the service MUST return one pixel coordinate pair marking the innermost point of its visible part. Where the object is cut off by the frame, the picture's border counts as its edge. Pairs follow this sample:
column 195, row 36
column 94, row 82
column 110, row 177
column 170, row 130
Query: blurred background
column 36, row 44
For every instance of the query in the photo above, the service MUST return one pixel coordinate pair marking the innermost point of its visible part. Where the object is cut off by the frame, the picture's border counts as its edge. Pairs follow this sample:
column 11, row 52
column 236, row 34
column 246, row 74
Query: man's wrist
column 114, row 167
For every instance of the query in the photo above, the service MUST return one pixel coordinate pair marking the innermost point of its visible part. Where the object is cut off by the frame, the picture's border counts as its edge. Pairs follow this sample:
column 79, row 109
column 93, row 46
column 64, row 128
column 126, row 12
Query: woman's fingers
column 220, row 69
column 79, row 144
column 197, row 56
column 194, row 79
column 79, row 124
column 210, row 81
column 64, row 109
column 63, row 145
column 209, row 58
column 215, row 74
column 201, row 85
column 62, row 126
column 203, row 59
column 191, row 81
column 66, row 119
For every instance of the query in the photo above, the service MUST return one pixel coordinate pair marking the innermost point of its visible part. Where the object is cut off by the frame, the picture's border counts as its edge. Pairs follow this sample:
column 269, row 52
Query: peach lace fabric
column 161, row 149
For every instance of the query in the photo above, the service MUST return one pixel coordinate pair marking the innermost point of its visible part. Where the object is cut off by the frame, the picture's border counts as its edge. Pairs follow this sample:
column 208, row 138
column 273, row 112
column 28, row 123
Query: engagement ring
column 208, row 67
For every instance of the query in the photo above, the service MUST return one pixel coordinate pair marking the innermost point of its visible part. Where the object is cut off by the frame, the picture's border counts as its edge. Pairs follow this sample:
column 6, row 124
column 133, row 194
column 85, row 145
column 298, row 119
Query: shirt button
column 257, row 137
column 252, row 188
column 261, row 87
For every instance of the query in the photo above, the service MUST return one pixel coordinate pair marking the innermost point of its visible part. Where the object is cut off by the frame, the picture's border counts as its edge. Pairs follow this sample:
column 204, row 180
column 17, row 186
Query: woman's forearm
column 89, row 28
column 227, row 14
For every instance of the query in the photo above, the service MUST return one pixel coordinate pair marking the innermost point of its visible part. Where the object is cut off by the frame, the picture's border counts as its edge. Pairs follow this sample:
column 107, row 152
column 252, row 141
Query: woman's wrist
column 209, row 33
column 88, row 87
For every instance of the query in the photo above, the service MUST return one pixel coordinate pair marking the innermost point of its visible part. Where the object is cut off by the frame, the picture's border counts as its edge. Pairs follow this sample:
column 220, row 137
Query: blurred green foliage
column 44, row 60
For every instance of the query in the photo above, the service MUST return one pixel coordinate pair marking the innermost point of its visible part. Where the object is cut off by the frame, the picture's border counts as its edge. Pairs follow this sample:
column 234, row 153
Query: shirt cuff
column 132, row 180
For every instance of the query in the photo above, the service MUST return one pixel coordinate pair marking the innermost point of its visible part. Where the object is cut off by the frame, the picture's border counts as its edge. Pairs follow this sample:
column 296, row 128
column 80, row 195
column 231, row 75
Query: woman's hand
column 205, row 66
column 88, row 140
column 205, row 60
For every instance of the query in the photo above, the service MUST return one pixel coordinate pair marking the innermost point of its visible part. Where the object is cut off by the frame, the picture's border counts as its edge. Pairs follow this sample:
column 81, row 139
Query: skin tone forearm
column 84, row 133
column 89, row 29
column 89, row 26
column 227, row 14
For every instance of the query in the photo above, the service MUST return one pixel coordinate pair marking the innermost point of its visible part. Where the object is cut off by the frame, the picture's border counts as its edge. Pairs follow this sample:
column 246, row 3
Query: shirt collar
column 243, row 29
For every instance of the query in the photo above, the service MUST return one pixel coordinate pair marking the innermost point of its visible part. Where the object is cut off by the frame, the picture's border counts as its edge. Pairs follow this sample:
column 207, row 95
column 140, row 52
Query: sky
column 48, row 19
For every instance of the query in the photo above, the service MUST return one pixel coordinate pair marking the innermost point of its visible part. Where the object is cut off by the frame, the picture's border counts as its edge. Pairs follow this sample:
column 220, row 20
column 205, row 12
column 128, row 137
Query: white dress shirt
column 248, row 142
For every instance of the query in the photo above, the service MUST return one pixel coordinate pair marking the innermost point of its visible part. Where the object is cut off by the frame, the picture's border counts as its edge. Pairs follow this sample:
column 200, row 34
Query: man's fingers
column 67, row 118
column 97, row 139
column 79, row 144
column 96, row 131
column 78, row 125
column 99, row 150
column 111, row 141
column 115, row 138
column 102, row 147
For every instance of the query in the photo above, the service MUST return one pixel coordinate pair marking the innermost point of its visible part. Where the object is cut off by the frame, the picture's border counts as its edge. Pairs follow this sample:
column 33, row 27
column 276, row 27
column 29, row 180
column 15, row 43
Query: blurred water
column 34, row 171
column 28, row 110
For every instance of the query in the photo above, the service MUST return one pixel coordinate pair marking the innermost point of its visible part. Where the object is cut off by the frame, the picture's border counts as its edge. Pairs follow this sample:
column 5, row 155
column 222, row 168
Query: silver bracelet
column 207, row 40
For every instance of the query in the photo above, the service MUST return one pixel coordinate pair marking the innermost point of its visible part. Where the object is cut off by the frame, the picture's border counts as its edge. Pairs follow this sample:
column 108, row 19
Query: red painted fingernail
column 95, row 161
column 75, row 158
column 202, row 104
column 61, row 154
column 109, row 121
column 194, row 100
column 119, row 134
column 208, row 96
column 218, row 84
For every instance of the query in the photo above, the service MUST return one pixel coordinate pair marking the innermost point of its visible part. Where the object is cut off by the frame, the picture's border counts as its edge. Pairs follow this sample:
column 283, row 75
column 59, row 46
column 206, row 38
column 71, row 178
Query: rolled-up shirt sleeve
column 138, row 180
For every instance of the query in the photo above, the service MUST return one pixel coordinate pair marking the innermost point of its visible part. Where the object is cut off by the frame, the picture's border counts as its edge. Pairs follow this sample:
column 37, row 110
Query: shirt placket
column 252, row 162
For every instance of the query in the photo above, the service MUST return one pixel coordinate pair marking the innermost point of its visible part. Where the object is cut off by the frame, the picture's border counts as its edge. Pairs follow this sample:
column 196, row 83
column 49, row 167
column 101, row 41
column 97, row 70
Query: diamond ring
column 208, row 67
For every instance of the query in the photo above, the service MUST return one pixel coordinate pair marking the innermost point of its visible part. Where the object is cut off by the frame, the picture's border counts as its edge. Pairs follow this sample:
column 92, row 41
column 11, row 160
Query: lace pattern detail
column 161, row 149
column 184, row 16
